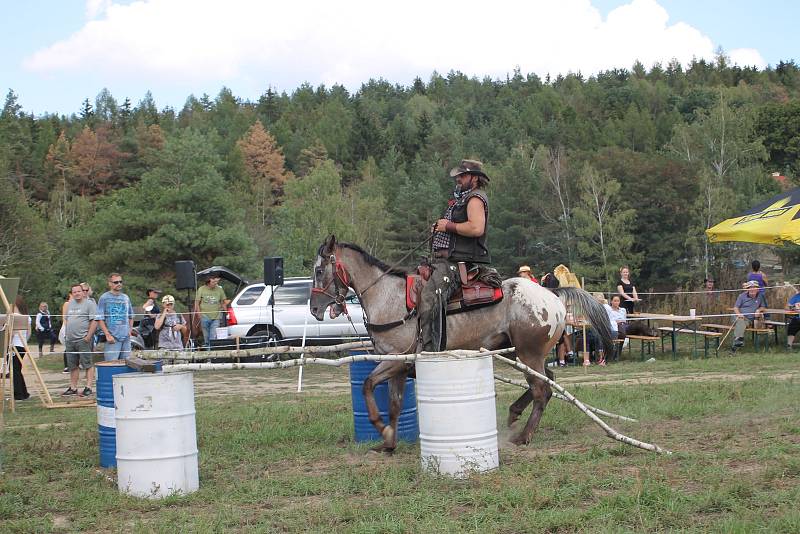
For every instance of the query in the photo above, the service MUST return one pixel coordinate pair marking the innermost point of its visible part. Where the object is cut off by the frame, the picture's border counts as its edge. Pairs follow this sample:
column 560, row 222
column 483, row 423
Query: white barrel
column 457, row 415
column 156, row 434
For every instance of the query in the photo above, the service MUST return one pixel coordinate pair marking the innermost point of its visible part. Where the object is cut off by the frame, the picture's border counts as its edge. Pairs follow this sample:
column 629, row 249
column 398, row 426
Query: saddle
column 480, row 286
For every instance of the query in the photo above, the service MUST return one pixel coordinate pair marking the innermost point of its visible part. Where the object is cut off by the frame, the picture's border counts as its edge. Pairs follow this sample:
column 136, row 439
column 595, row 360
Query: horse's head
column 331, row 282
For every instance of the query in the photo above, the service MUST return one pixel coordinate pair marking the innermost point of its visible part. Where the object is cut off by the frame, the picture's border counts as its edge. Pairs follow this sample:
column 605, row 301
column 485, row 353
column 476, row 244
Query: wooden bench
column 774, row 325
column 649, row 340
column 757, row 332
column 707, row 335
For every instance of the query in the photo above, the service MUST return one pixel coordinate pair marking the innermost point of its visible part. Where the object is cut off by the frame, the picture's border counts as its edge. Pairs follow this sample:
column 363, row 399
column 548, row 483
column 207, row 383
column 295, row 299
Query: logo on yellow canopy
column 778, row 209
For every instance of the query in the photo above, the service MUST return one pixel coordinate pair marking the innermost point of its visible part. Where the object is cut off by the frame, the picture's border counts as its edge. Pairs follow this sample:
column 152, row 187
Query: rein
column 392, row 267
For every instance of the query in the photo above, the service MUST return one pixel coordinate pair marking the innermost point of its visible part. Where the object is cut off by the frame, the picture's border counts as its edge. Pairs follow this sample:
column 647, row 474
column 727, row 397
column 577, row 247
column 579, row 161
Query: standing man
column 459, row 236
column 115, row 315
column 79, row 327
column 749, row 306
column 209, row 302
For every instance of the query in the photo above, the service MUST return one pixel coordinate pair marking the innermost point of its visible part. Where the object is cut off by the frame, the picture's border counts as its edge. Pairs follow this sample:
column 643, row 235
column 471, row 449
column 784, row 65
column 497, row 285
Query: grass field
column 286, row 462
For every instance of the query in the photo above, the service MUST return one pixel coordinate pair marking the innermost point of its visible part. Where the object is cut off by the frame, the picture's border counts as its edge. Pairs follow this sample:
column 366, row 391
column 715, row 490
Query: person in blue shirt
column 115, row 317
column 794, row 324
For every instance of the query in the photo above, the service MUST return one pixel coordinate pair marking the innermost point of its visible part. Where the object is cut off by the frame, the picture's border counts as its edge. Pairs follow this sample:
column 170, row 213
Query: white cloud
column 747, row 57
column 287, row 43
column 95, row 8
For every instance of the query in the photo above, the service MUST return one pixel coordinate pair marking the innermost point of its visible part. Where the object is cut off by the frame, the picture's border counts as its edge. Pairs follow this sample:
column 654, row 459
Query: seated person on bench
column 749, row 306
column 794, row 324
column 618, row 316
column 564, row 345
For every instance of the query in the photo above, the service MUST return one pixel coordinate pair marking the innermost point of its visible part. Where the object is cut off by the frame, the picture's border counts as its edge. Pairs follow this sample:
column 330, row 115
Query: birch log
column 559, row 396
column 582, row 407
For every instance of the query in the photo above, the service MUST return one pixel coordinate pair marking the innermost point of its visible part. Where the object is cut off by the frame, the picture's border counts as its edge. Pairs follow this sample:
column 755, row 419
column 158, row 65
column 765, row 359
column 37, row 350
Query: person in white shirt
column 618, row 316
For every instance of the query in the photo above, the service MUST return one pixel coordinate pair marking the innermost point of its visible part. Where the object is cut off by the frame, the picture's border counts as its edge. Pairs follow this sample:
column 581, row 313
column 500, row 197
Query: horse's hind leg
column 516, row 409
column 384, row 371
column 541, row 394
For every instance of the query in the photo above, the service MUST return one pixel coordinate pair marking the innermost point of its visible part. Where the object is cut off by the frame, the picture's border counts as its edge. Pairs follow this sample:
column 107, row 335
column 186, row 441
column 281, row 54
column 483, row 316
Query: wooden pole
column 9, row 354
column 243, row 353
column 45, row 394
column 561, row 397
column 582, row 407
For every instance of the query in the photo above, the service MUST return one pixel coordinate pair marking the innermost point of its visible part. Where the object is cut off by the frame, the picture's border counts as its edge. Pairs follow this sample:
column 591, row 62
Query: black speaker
column 184, row 275
column 273, row 271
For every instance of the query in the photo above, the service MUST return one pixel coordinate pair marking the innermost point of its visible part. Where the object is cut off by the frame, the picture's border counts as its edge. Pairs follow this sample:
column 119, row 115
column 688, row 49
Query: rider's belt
column 441, row 253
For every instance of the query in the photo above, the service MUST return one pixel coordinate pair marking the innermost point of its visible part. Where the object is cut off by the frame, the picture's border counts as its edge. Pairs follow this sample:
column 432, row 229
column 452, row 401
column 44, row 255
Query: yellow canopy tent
column 772, row 222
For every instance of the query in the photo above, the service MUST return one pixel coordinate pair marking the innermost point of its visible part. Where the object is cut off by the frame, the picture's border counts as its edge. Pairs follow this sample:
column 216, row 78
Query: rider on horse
column 459, row 236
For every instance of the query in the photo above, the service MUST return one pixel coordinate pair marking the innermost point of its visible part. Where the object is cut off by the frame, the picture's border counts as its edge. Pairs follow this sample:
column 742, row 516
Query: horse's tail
column 582, row 303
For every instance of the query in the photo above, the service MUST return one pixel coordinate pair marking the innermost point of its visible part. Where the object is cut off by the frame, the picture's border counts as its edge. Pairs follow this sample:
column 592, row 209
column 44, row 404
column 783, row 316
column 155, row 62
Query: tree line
column 623, row 167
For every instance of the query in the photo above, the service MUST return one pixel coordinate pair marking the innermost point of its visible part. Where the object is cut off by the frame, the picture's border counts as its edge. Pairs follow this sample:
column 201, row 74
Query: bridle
column 341, row 283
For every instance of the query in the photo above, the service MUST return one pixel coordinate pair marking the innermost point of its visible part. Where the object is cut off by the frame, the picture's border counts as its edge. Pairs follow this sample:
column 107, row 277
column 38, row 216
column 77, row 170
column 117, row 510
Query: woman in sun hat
column 525, row 272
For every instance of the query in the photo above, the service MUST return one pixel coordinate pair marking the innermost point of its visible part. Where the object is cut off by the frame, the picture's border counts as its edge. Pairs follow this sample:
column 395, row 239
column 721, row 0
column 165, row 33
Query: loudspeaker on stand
column 185, row 277
column 273, row 271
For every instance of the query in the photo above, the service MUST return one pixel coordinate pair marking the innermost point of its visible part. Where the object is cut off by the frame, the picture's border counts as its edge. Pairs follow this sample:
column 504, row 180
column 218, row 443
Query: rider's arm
column 475, row 225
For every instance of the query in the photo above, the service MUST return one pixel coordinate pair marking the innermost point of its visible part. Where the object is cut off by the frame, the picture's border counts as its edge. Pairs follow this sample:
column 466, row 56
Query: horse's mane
column 372, row 260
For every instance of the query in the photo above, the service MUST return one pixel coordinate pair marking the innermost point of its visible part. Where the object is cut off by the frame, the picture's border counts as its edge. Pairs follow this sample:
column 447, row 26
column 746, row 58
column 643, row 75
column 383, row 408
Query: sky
column 56, row 53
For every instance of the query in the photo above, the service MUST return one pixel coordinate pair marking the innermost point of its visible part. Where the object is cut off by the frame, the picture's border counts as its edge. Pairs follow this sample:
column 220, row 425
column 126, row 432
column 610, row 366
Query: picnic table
column 679, row 324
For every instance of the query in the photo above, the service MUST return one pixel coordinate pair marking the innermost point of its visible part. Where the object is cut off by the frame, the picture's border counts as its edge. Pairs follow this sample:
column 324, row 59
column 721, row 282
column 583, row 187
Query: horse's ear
column 330, row 243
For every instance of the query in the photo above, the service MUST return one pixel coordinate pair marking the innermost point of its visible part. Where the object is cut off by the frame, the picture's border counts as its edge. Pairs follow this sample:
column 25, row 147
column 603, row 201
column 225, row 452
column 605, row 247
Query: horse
column 529, row 318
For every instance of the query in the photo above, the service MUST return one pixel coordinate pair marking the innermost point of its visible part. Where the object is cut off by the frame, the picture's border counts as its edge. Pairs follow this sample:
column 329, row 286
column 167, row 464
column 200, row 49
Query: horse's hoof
column 519, row 441
column 389, row 440
column 382, row 449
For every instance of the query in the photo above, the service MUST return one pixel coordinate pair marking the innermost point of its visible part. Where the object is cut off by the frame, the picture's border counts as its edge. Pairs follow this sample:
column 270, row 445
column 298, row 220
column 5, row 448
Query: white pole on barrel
column 303, row 345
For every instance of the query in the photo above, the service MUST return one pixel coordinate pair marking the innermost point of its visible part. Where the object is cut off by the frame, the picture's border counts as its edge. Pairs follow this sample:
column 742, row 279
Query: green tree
column 24, row 248
column 778, row 124
column 15, row 141
column 603, row 230
column 181, row 209
column 720, row 143
column 312, row 208
column 515, row 226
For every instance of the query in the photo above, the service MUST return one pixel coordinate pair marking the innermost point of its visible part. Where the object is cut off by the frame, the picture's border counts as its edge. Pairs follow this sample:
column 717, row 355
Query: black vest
column 470, row 249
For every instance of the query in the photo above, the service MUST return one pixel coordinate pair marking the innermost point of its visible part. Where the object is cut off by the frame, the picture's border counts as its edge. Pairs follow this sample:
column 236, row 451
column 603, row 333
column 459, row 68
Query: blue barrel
column 407, row 425
column 106, row 425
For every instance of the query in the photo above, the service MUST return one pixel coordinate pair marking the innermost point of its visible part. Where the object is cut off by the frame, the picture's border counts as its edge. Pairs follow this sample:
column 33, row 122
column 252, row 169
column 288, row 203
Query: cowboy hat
column 471, row 166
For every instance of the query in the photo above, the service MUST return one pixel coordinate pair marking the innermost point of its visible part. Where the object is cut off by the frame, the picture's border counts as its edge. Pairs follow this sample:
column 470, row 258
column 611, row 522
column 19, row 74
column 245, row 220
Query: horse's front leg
column 397, row 388
column 384, row 371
